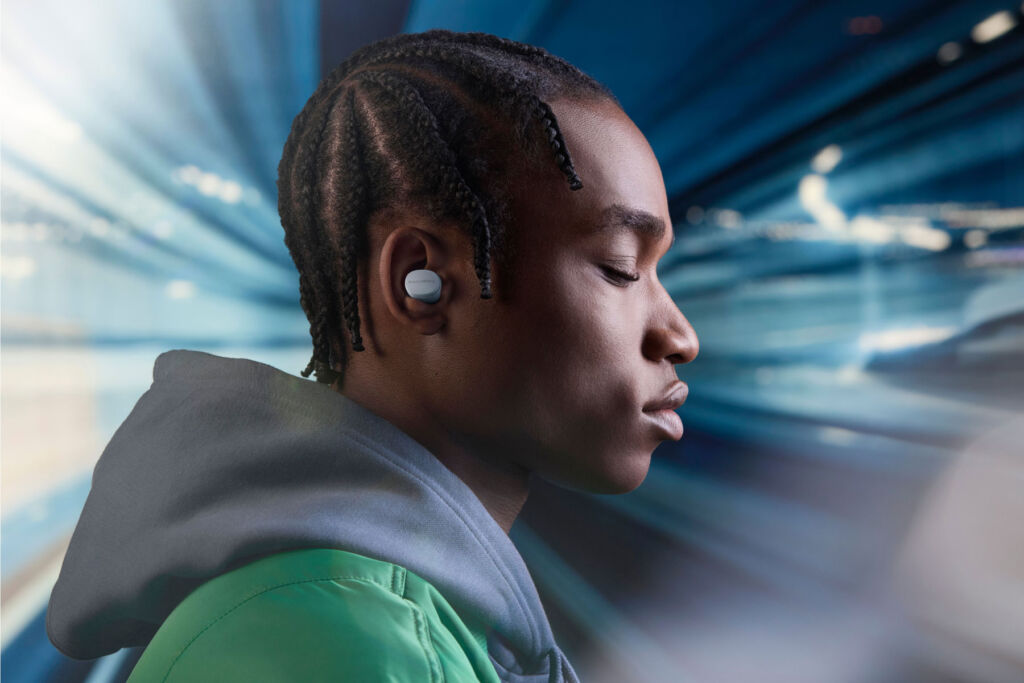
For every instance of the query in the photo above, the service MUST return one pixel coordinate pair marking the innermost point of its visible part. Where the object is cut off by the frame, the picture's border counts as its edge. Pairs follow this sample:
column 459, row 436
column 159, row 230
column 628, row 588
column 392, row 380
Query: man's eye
column 619, row 276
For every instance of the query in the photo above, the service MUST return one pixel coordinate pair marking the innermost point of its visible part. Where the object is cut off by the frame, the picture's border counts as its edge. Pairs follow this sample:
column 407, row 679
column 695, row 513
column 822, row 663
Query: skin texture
column 549, row 377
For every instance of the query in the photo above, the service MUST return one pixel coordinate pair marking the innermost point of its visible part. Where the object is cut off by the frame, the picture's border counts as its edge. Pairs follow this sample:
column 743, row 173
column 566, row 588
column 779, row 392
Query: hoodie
column 226, row 460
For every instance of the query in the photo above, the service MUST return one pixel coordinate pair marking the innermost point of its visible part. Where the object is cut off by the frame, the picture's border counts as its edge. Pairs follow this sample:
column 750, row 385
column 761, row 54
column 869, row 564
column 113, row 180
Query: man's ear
column 407, row 249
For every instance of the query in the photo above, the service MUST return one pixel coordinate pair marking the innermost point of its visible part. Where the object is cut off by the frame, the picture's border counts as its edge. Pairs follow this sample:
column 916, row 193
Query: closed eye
column 620, row 277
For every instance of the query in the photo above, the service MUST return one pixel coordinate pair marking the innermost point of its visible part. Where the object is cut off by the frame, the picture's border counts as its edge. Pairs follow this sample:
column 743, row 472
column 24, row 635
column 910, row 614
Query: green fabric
column 315, row 615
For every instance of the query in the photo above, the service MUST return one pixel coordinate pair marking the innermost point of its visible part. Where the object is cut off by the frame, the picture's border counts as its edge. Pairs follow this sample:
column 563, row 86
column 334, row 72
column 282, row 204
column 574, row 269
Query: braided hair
column 417, row 119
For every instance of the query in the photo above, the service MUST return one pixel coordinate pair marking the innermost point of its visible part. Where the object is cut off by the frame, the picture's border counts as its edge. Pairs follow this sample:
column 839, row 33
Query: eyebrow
column 622, row 218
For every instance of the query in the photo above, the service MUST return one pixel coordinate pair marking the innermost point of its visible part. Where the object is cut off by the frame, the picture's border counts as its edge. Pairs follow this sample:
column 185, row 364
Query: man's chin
column 620, row 480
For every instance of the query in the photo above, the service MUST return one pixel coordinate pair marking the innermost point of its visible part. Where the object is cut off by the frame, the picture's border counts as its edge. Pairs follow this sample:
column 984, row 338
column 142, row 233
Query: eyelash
column 620, row 276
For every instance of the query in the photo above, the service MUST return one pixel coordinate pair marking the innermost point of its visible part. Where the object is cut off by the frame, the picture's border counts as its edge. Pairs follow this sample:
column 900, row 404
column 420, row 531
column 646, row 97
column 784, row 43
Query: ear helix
column 423, row 285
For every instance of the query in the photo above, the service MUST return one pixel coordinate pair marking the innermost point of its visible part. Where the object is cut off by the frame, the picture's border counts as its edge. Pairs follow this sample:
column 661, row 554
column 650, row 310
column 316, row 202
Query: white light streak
column 993, row 219
column 869, row 229
column 838, row 436
column 916, row 231
column 888, row 340
column 30, row 118
column 993, row 27
column 212, row 185
column 925, row 237
column 812, row 195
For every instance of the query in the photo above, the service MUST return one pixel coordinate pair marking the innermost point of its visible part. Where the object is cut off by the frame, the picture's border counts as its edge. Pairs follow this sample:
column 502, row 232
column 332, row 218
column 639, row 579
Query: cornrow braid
column 430, row 145
column 406, row 122
column 505, row 84
column 352, row 212
column 321, row 310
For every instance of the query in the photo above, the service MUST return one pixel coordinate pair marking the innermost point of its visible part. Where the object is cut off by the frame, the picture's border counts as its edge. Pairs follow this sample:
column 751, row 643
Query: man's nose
column 672, row 336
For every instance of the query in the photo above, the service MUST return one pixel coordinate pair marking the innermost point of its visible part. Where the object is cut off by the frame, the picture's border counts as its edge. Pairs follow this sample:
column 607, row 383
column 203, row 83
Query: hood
column 225, row 460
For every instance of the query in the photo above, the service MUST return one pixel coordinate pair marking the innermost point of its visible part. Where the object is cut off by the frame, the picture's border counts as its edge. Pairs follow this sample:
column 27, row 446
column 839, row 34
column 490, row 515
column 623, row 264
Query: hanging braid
column 405, row 122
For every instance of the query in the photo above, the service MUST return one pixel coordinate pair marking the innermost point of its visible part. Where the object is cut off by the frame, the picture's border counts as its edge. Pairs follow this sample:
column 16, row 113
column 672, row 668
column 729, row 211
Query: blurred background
column 846, row 182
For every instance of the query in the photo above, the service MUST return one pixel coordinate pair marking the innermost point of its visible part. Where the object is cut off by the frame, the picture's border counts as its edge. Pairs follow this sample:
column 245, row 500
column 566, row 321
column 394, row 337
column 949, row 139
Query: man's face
column 554, row 372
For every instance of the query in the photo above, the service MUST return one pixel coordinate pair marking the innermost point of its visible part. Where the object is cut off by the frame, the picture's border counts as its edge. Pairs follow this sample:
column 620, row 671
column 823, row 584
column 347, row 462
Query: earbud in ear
column 424, row 285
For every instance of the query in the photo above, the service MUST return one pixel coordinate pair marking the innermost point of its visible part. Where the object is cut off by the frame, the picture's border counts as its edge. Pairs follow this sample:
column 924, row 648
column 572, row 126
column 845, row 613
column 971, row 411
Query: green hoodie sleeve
column 338, row 631
column 360, row 627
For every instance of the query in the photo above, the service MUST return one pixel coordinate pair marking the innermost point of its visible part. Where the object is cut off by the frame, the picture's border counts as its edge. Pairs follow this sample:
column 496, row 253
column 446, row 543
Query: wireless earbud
column 424, row 285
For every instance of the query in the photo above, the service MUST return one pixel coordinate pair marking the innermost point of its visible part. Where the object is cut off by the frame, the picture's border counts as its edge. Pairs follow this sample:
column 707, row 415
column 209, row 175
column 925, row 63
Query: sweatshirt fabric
column 224, row 462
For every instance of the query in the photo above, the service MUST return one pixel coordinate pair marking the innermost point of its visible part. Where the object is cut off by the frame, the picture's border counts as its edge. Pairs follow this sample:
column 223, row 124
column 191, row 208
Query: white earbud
column 424, row 285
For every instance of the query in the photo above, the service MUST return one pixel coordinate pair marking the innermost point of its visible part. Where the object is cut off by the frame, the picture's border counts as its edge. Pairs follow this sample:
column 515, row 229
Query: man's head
column 448, row 167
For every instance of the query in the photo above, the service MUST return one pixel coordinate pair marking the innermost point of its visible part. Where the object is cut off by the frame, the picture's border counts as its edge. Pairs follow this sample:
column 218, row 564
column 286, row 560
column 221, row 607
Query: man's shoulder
column 310, row 614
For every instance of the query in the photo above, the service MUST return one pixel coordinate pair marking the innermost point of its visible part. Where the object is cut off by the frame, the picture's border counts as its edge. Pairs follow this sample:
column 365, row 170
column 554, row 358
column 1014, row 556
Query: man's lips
column 673, row 397
column 668, row 423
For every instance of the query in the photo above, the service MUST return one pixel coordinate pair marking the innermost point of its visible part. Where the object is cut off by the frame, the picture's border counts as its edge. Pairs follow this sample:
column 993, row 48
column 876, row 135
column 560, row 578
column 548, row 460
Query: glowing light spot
column 180, row 289
column 99, row 227
column 993, row 27
column 729, row 218
column 16, row 267
column 838, row 436
column 190, row 175
column 949, row 53
column 812, row 189
column 975, row 238
column 210, row 184
column 825, row 160
column 163, row 230
column 231, row 192
column 851, row 373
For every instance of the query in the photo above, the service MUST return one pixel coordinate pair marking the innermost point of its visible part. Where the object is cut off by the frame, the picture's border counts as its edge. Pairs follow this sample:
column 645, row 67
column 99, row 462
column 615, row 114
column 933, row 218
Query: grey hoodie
column 225, row 460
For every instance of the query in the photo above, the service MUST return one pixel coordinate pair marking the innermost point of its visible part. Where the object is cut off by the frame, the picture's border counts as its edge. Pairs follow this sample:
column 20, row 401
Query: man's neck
column 502, row 487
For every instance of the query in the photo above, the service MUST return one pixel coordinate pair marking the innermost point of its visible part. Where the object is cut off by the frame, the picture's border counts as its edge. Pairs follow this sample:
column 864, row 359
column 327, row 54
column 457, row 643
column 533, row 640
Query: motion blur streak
column 846, row 184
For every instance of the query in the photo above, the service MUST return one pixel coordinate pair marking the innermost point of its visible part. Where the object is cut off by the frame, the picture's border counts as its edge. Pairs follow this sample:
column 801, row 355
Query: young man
column 250, row 525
